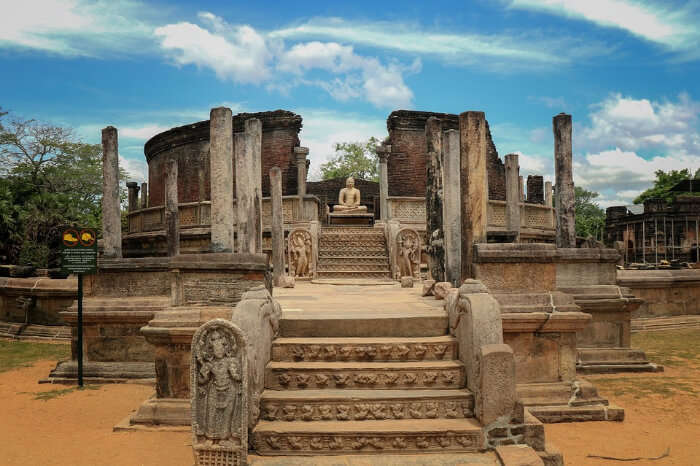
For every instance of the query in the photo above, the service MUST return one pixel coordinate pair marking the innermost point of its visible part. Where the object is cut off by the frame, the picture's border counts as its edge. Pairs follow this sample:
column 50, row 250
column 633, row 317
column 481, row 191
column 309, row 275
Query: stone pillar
column 548, row 194
column 451, row 214
column 221, row 174
column 277, row 226
column 521, row 189
column 474, row 185
column 172, row 217
column 383, row 155
column 433, row 198
column 144, row 195
column 248, row 197
column 564, row 181
column 301, row 153
column 512, row 195
column 133, row 189
column 111, row 211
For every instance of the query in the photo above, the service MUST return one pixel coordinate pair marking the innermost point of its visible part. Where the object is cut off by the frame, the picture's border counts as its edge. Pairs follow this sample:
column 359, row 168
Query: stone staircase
column 353, row 253
column 386, row 389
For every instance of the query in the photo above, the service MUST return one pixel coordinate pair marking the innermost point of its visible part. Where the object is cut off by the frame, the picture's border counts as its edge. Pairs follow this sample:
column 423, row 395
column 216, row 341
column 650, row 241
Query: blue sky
column 626, row 70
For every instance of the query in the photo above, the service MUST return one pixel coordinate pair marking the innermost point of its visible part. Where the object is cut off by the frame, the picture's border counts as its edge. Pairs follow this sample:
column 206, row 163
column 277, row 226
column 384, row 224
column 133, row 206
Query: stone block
column 406, row 282
column 496, row 395
column 518, row 455
column 441, row 289
column 428, row 288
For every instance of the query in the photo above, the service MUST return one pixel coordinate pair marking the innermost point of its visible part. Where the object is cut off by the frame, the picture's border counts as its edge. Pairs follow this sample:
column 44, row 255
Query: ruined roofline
column 415, row 120
column 199, row 131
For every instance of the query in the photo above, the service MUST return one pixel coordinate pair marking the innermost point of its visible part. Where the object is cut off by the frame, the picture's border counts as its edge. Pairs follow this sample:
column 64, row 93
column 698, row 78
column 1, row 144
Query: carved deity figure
column 300, row 253
column 349, row 199
column 219, row 383
column 409, row 253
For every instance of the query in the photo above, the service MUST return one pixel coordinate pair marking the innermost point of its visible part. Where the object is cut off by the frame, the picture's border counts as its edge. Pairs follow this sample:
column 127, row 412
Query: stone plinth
column 45, row 299
column 665, row 292
column 351, row 219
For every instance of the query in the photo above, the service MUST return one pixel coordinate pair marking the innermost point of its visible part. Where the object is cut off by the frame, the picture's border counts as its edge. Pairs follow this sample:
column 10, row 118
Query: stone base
column 160, row 414
column 610, row 360
column 31, row 332
column 351, row 219
column 576, row 401
column 66, row 372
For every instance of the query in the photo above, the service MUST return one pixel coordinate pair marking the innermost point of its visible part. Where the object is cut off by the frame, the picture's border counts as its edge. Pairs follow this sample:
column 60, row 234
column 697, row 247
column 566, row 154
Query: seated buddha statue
column 349, row 199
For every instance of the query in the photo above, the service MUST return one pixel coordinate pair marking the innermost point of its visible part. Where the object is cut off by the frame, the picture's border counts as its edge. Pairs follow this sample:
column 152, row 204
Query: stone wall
column 407, row 162
column 189, row 144
column 45, row 298
column 665, row 292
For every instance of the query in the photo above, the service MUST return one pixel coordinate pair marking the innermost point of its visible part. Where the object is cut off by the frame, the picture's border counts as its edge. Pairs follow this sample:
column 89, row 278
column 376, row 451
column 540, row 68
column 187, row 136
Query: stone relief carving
column 408, row 248
column 219, row 383
column 371, row 352
column 300, row 248
column 363, row 379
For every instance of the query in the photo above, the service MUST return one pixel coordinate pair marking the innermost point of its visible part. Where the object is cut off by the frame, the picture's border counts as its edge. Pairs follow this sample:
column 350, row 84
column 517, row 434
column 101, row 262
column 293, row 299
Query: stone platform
column 359, row 219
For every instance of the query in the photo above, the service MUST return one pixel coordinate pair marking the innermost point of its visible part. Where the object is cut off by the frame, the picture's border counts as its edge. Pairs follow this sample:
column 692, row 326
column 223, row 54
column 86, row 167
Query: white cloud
column 75, row 27
column 458, row 47
column 141, row 132
column 137, row 170
column 323, row 128
column 238, row 53
column 660, row 22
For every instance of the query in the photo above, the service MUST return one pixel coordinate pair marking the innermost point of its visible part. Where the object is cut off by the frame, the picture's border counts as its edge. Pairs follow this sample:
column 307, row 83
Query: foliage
column 356, row 159
column 15, row 354
column 590, row 218
column 48, row 179
column 663, row 184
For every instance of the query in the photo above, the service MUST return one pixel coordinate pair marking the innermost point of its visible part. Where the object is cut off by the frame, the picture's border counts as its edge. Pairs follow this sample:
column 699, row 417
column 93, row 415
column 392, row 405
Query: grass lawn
column 15, row 353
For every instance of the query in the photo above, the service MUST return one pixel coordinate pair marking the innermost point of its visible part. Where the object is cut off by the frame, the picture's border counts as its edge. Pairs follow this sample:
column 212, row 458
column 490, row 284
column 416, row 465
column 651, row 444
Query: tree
column 356, row 159
column 663, row 184
column 590, row 218
column 48, row 179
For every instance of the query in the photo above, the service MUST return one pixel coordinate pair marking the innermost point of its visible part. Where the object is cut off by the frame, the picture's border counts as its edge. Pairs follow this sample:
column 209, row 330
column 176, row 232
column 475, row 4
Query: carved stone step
column 353, row 252
column 364, row 323
column 364, row 349
column 352, row 274
column 367, row 437
column 373, row 260
column 352, row 268
column 364, row 375
column 360, row 405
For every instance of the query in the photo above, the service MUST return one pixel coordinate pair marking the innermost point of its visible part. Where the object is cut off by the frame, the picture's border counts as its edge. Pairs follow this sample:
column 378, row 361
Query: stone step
column 351, row 229
column 360, row 405
column 370, row 260
column 353, row 274
column 364, row 375
column 353, row 252
column 365, row 349
column 367, row 437
column 352, row 268
column 364, row 323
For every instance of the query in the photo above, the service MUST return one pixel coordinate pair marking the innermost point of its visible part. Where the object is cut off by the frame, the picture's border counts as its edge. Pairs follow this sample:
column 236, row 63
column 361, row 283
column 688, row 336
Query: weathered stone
column 383, row 152
column 497, row 396
column 441, row 289
column 548, row 194
column 300, row 249
column 278, row 270
column 349, row 199
column 428, row 288
column 563, row 173
column 451, row 203
column 133, row 195
column 248, row 197
column 518, row 455
column 408, row 250
column 521, row 189
column 512, row 196
column 407, row 282
column 474, row 185
column 144, row 195
column 301, row 153
column 433, row 197
column 172, row 222
column 221, row 172
column 535, row 189
column 111, row 210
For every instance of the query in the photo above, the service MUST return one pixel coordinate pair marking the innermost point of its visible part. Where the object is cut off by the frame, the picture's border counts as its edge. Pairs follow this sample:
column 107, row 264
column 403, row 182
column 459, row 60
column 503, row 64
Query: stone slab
column 518, row 455
column 430, row 459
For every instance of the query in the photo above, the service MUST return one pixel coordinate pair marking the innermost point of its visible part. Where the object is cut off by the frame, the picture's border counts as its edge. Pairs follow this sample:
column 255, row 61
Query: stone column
column 144, row 195
column 248, row 197
column 521, row 189
column 512, row 195
column 548, row 194
column 564, row 181
column 474, row 185
column 300, row 153
column 111, row 211
column 133, row 189
column 451, row 214
column 433, row 198
column 277, row 226
column 221, row 178
column 172, row 217
column 383, row 155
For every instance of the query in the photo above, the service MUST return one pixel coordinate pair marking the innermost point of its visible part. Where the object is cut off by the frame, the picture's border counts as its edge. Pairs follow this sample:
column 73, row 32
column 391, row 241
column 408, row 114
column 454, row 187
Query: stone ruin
column 524, row 309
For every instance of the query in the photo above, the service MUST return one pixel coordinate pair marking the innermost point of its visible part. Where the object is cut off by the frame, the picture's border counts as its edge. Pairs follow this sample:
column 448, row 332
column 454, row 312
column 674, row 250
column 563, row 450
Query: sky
column 626, row 70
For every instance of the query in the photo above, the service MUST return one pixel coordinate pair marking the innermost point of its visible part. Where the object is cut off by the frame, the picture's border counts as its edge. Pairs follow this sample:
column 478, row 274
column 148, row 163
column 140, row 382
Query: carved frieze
column 428, row 351
column 300, row 379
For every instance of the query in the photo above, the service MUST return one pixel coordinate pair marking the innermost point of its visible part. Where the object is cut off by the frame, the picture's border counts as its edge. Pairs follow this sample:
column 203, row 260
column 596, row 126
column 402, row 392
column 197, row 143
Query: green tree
column 590, row 218
column 663, row 184
column 356, row 159
column 48, row 179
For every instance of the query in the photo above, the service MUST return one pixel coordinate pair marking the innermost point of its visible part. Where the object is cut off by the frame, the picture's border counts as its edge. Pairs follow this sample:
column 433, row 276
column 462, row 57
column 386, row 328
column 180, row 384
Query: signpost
column 79, row 256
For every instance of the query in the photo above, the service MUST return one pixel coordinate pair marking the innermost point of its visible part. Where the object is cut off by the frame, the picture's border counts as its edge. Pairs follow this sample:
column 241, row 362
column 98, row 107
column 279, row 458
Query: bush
column 36, row 255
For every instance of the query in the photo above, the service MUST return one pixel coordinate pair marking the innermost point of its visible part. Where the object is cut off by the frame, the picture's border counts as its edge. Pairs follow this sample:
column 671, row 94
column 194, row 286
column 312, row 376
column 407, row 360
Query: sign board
column 79, row 250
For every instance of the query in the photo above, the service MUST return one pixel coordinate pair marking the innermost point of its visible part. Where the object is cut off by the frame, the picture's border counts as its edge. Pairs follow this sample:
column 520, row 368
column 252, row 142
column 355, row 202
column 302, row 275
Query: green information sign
column 79, row 251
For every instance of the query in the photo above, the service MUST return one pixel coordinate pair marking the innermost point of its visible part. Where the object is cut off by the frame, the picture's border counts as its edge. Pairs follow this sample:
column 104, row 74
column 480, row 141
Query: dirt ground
column 72, row 427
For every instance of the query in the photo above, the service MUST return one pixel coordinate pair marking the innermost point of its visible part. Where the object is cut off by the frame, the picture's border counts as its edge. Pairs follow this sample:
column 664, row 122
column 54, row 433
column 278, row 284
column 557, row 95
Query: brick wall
column 535, row 189
column 406, row 165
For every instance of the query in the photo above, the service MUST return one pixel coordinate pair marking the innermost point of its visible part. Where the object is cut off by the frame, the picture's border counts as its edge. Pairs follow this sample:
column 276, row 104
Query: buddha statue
column 349, row 199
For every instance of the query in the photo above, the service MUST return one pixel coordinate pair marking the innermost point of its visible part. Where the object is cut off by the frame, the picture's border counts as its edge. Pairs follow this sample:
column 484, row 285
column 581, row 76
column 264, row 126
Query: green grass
column 15, row 354
column 670, row 347
column 51, row 394
column 640, row 387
